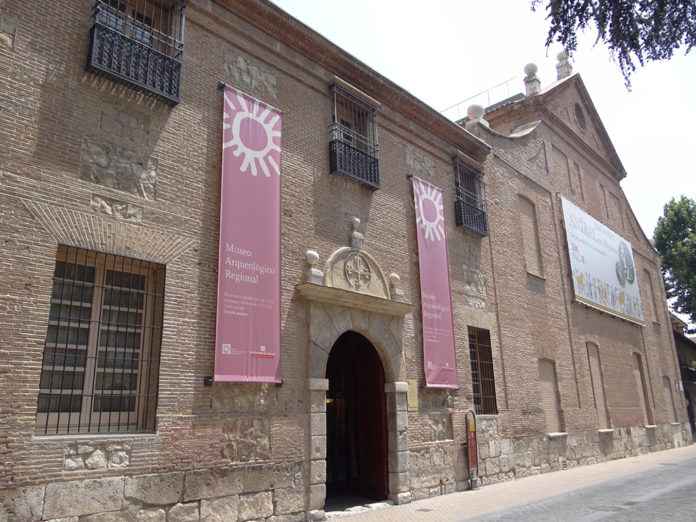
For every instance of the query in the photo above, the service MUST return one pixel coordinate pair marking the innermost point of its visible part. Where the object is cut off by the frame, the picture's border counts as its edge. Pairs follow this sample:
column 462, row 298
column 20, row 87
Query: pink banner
column 247, row 337
column 436, row 299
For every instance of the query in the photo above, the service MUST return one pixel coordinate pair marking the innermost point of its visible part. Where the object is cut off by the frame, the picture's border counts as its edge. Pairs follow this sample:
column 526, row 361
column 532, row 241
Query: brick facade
column 90, row 163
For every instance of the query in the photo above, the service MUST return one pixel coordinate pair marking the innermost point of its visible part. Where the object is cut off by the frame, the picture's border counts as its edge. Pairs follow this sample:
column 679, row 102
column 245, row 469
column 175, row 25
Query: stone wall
column 502, row 458
column 274, row 493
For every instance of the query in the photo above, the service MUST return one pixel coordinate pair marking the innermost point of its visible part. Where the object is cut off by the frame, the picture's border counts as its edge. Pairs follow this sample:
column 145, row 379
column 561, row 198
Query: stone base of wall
column 506, row 458
column 278, row 492
column 440, row 468
column 268, row 492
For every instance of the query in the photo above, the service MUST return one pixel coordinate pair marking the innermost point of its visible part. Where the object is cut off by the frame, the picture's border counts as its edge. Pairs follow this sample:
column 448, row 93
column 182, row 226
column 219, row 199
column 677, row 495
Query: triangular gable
column 570, row 101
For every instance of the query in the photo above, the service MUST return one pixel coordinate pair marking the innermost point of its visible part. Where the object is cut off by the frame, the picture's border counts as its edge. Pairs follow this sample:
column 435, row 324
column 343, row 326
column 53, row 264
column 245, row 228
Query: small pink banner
column 247, row 336
column 436, row 299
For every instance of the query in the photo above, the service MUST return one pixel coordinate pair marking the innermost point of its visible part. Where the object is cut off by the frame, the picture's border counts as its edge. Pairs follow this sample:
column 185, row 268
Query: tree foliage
column 636, row 31
column 675, row 240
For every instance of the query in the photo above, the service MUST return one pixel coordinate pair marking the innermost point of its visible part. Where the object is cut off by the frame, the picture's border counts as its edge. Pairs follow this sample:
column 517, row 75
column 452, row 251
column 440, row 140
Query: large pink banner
column 247, row 338
column 436, row 299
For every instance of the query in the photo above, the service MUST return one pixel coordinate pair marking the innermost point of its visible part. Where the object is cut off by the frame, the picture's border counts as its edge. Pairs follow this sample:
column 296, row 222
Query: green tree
column 675, row 240
column 636, row 31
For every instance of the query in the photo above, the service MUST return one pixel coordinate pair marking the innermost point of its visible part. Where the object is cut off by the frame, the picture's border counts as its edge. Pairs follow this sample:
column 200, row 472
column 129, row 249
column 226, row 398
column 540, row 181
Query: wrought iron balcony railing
column 470, row 212
column 350, row 155
column 129, row 49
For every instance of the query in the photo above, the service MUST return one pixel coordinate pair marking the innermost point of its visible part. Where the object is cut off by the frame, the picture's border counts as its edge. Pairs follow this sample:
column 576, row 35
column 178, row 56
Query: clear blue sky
column 444, row 51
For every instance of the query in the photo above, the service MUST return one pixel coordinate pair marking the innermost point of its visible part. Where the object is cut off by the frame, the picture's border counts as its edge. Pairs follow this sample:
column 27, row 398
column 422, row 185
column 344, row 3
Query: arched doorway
column 356, row 461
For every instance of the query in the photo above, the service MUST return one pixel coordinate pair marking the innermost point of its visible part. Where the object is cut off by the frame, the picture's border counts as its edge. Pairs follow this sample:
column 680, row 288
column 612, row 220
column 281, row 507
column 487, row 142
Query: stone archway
column 379, row 330
column 352, row 294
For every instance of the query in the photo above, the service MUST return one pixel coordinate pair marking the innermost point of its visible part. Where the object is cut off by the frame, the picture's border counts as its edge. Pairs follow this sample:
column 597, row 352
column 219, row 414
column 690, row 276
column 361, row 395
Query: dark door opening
column 356, row 459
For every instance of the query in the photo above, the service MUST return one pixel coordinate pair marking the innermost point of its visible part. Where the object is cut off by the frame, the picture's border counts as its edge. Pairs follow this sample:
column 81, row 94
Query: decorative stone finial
column 532, row 83
column 474, row 112
column 356, row 238
column 313, row 274
column 395, row 287
column 474, row 116
column 563, row 68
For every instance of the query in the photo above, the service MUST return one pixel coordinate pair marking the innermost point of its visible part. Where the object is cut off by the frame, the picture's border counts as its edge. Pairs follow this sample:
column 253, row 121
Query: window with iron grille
column 470, row 204
column 139, row 42
column 482, row 375
column 353, row 139
column 101, row 355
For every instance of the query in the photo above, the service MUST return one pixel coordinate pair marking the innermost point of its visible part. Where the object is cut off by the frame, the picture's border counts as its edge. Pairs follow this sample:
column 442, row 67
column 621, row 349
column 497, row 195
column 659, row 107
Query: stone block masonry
column 266, row 492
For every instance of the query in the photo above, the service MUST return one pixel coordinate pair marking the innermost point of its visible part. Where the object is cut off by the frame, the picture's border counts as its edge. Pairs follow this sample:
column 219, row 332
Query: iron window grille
column 482, row 374
column 470, row 203
column 353, row 147
column 101, row 355
column 139, row 42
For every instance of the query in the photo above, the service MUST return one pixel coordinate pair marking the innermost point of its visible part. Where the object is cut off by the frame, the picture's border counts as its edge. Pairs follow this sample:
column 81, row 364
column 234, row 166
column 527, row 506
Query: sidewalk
column 513, row 493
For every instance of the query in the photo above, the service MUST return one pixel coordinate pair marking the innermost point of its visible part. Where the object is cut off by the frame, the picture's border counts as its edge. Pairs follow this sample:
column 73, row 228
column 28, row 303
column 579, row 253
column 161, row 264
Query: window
column 614, row 212
column 101, row 355
column 669, row 399
column 653, row 313
column 352, row 138
column 580, row 116
column 550, row 396
column 482, row 374
column 578, row 175
column 470, row 205
column 146, row 21
column 139, row 42
column 529, row 233
column 597, row 385
column 641, row 388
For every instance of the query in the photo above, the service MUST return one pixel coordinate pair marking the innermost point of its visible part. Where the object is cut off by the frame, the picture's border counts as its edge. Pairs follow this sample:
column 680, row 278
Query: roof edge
column 277, row 23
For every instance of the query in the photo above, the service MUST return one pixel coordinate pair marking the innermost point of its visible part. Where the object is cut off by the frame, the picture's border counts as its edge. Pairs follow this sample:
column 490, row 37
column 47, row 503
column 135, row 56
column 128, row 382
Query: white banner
column 601, row 262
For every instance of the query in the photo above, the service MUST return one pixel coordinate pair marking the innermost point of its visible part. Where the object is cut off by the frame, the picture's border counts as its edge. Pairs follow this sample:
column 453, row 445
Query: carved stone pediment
column 352, row 277
column 356, row 270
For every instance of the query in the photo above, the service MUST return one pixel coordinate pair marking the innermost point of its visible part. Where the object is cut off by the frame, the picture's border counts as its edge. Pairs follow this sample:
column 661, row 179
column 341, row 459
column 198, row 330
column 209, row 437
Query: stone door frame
column 327, row 322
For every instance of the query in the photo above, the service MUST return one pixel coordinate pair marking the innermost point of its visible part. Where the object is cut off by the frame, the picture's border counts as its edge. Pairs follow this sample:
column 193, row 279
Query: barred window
column 140, row 43
column 482, row 375
column 150, row 22
column 101, row 355
column 353, row 138
column 470, row 205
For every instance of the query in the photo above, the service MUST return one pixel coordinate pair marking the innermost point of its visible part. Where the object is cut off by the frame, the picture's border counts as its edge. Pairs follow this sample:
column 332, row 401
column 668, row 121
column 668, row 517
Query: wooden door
column 356, row 420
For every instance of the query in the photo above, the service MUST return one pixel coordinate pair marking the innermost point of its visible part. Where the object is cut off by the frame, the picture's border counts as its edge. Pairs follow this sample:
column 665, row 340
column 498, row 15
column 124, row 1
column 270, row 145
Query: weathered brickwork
column 90, row 163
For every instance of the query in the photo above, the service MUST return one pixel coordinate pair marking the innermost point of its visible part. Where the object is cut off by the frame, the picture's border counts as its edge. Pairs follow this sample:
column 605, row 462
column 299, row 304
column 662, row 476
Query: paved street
column 658, row 486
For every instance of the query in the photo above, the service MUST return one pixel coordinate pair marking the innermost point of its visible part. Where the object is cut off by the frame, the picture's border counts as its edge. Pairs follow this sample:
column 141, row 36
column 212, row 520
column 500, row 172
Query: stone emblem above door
column 356, row 272
column 351, row 268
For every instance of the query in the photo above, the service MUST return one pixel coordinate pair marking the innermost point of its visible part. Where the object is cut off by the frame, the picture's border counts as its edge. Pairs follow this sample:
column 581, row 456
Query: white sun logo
column 429, row 212
column 258, row 144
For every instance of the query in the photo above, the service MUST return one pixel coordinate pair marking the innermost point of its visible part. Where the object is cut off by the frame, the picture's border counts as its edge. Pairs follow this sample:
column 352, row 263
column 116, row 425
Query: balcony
column 351, row 155
column 142, row 51
column 470, row 212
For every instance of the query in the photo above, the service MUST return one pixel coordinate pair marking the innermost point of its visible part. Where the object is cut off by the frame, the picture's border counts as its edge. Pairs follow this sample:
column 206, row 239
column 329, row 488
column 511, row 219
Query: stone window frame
column 85, row 420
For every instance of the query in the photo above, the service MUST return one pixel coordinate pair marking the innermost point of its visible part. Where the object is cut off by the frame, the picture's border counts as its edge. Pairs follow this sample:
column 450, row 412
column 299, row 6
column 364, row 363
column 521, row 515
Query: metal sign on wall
column 436, row 299
column 247, row 340
column 603, row 270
